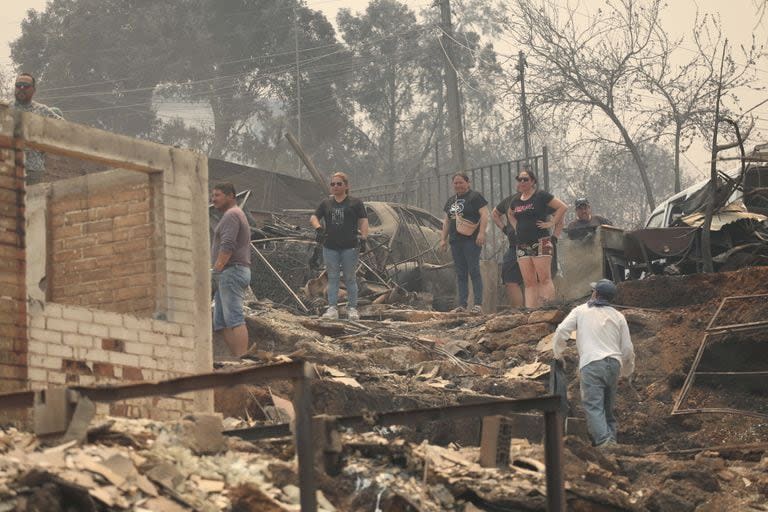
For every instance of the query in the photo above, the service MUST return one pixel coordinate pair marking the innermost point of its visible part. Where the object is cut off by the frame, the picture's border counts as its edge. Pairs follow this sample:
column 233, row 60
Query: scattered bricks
column 528, row 333
column 505, row 322
column 75, row 366
column 132, row 373
column 104, row 370
column 549, row 316
column 113, row 345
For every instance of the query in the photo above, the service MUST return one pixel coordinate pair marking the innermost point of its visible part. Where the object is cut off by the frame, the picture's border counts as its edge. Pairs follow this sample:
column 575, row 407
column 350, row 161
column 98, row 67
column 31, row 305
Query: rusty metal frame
column 711, row 331
column 298, row 371
column 711, row 327
column 549, row 405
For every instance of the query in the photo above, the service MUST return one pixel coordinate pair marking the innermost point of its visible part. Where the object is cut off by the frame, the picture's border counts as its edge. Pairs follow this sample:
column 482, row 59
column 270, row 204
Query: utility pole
column 452, row 90
column 298, row 78
column 521, row 64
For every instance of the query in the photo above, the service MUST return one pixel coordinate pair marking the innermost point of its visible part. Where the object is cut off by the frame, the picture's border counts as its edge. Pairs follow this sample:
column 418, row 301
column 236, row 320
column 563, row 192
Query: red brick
column 113, row 345
column 75, row 366
column 109, row 212
column 13, row 358
column 104, row 370
column 132, row 373
column 13, row 372
column 135, row 219
column 98, row 226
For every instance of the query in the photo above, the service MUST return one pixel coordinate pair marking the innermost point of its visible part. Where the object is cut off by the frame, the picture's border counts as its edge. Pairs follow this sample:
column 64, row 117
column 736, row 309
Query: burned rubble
column 398, row 358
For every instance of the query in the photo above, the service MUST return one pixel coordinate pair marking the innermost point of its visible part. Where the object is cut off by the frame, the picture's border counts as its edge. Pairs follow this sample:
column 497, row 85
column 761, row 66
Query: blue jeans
column 337, row 261
column 466, row 261
column 599, row 381
column 231, row 284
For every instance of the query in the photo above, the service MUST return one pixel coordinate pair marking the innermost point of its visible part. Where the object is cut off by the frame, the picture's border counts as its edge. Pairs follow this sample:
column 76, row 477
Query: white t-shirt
column 601, row 332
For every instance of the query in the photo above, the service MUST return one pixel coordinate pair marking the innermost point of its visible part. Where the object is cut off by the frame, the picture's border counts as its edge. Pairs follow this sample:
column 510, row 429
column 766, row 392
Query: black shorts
column 510, row 270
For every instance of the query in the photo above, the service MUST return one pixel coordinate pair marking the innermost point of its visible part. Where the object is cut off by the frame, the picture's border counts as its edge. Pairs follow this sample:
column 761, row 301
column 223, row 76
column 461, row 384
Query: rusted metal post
column 553, row 460
column 302, row 403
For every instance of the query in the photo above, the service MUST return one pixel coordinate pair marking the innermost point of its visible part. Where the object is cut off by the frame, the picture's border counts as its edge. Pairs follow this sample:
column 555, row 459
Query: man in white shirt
column 605, row 354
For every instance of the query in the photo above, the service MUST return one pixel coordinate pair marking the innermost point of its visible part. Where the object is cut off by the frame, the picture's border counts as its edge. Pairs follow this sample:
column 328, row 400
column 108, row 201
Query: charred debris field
column 687, row 443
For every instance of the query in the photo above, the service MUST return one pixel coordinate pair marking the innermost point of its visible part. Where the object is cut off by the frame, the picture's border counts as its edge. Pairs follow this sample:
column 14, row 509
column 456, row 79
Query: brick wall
column 70, row 345
column 102, row 243
column 13, row 342
column 104, row 252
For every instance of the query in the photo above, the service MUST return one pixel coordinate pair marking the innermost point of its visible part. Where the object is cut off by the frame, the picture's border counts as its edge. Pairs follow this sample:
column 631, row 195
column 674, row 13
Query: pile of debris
column 397, row 358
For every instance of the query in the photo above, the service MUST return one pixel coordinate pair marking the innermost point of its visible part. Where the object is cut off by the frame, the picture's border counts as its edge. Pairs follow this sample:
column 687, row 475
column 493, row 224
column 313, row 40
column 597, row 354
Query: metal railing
column 300, row 372
column 430, row 193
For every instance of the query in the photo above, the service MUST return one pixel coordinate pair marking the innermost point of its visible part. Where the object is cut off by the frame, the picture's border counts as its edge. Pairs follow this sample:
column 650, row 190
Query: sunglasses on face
column 23, row 85
column 522, row 179
column 337, row 183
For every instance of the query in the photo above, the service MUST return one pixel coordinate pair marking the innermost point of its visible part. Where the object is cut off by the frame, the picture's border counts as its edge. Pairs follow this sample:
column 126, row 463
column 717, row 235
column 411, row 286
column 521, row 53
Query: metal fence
column 494, row 182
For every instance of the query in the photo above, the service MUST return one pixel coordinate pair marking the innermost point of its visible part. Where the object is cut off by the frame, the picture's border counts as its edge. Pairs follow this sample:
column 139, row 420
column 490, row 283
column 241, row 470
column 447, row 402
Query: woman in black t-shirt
column 341, row 223
column 529, row 214
column 467, row 207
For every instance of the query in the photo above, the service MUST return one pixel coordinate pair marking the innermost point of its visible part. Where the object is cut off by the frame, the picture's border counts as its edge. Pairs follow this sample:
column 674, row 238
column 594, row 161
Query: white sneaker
column 331, row 313
column 352, row 314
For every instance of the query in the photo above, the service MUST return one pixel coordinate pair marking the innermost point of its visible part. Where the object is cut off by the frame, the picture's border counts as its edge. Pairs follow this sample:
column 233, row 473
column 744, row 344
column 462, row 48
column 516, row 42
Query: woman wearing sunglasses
column 343, row 217
column 529, row 215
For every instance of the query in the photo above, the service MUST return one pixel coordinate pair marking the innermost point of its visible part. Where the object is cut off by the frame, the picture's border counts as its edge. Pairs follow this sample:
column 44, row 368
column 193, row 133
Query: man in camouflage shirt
column 34, row 161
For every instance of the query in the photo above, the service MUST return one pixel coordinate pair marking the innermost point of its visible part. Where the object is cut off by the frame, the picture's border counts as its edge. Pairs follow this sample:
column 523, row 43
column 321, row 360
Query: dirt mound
column 675, row 291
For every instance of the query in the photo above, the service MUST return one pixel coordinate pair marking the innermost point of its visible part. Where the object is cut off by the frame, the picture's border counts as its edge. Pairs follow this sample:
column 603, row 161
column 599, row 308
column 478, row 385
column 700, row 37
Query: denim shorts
column 228, row 299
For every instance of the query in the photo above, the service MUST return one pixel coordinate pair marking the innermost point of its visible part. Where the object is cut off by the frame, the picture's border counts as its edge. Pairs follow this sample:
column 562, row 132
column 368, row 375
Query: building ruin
column 104, row 276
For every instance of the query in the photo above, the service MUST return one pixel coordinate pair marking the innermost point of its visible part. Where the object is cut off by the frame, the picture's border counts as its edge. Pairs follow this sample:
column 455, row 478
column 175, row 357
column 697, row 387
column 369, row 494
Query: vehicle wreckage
column 403, row 263
column 671, row 242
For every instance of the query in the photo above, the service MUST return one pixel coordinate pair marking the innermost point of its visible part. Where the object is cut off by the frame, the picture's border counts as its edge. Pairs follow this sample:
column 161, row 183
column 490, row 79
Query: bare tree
column 689, row 89
column 591, row 66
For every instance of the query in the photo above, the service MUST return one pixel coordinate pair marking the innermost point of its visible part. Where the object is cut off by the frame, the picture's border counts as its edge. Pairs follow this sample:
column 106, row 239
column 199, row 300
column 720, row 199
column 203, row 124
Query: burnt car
column 403, row 255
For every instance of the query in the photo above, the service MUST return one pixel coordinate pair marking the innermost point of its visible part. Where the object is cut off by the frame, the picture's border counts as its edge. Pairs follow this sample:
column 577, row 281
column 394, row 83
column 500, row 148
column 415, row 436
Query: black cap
column 582, row 201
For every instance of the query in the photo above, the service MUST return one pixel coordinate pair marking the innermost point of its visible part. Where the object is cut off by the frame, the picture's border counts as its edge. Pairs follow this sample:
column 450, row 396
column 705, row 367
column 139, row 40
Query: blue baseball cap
column 605, row 288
